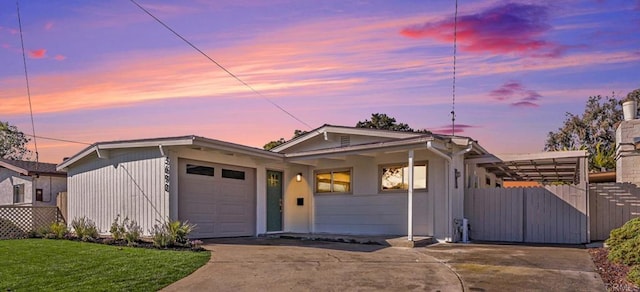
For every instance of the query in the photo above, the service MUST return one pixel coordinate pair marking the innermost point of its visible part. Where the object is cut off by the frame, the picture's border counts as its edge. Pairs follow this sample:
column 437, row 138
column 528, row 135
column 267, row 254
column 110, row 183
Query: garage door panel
column 220, row 207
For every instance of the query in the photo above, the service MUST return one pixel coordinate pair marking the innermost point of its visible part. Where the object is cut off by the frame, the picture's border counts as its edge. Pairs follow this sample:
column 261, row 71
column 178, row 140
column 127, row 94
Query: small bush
column 160, row 237
column 133, row 231
column 85, row 228
column 628, row 231
column 634, row 275
column 117, row 229
column 59, row 230
column 170, row 233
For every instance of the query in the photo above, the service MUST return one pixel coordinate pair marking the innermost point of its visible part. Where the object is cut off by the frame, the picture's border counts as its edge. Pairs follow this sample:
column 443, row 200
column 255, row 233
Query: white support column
column 410, row 199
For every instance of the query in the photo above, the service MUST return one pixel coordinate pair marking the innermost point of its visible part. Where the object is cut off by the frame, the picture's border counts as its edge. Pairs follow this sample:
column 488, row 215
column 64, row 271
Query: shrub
column 634, row 275
column 160, row 237
column 117, row 229
column 133, row 231
column 628, row 231
column 59, row 230
column 85, row 228
column 170, row 233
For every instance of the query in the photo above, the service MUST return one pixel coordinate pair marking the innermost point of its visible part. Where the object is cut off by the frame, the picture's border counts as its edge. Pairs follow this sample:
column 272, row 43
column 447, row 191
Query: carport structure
column 569, row 167
column 555, row 212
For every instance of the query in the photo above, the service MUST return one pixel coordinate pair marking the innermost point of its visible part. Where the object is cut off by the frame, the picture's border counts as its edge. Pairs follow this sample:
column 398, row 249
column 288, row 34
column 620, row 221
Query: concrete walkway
column 275, row 264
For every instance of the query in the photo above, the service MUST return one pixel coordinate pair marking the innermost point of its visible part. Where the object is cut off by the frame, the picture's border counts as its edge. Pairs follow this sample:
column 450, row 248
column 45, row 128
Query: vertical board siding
column 611, row 205
column 129, row 184
column 551, row 214
column 372, row 214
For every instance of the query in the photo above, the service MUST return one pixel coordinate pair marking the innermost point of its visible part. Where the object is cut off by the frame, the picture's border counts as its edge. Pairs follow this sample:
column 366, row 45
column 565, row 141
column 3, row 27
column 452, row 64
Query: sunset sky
column 105, row 70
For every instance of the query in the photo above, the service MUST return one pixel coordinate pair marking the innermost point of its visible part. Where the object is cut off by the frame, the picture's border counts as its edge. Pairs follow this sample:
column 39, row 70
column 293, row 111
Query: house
column 30, row 183
column 333, row 179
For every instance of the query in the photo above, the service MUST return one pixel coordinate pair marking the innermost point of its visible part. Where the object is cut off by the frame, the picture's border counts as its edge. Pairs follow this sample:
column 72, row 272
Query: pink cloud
column 525, row 104
column 510, row 28
column 448, row 130
column 38, row 54
column 59, row 57
column 515, row 90
column 48, row 25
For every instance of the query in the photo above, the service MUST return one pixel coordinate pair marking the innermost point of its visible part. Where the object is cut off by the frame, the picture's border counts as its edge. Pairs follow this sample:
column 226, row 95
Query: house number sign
column 167, row 168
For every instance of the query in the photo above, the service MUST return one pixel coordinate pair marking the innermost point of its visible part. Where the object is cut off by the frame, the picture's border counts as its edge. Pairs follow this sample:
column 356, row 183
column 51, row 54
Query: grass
column 42, row 264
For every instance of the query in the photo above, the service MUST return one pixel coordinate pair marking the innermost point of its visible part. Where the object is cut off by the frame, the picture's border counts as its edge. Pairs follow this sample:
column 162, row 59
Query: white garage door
column 220, row 199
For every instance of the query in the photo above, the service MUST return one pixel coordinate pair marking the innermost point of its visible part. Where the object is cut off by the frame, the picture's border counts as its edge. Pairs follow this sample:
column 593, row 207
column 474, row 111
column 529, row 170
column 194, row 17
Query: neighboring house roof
column 101, row 148
column 347, row 131
column 31, row 167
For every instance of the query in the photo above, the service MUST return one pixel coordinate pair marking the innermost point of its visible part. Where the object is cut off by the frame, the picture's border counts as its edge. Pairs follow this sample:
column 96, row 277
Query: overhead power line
column 453, row 92
column 26, row 77
column 220, row 66
column 45, row 138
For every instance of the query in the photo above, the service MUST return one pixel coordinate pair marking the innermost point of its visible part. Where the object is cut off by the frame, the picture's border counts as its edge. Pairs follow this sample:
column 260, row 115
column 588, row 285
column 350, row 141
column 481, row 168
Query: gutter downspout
column 449, row 159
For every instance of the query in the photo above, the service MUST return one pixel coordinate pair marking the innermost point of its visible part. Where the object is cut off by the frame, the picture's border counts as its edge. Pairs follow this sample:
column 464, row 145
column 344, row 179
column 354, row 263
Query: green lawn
column 45, row 264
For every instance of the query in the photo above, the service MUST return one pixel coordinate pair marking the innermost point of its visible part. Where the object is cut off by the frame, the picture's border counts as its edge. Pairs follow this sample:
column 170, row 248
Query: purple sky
column 102, row 71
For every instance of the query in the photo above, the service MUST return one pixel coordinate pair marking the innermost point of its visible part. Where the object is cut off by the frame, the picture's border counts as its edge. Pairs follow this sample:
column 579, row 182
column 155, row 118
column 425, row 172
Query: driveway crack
column 335, row 257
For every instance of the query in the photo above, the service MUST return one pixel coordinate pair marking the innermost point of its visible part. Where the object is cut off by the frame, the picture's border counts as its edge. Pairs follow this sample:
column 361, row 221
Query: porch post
column 410, row 198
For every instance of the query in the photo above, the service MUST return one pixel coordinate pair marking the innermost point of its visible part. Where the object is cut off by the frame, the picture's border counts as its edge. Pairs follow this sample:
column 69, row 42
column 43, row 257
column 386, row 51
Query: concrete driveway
column 273, row 264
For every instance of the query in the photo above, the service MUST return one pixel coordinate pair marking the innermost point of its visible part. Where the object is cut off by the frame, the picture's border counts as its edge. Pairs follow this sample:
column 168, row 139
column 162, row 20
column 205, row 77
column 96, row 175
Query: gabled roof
column 190, row 140
column 31, row 167
column 347, row 131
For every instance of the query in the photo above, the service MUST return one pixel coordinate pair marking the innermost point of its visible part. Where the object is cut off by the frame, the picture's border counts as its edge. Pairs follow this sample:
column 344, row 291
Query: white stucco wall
column 10, row 178
column 51, row 186
column 368, row 210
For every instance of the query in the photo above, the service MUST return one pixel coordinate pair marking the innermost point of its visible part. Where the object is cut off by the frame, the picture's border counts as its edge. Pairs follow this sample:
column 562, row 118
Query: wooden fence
column 19, row 221
column 551, row 214
column 610, row 206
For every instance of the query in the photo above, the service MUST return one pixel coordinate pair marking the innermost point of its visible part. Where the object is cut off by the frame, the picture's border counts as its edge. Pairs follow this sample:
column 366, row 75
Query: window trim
column 403, row 164
column 331, row 171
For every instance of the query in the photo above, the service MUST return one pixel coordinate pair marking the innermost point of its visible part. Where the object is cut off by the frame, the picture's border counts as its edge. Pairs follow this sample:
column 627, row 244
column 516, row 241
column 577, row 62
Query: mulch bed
column 614, row 275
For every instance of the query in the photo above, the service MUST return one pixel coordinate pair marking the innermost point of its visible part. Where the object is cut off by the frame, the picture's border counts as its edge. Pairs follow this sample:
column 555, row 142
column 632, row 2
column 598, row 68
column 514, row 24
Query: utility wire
column 455, row 47
column 46, row 138
column 26, row 77
column 220, row 66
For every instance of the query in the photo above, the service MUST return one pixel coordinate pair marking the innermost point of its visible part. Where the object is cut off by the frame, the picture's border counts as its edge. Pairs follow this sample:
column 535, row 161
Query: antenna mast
column 453, row 99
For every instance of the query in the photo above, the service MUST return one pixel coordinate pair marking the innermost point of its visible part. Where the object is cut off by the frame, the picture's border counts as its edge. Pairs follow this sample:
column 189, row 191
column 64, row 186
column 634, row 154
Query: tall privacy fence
column 570, row 214
column 610, row 206
column 19, row 221
column 551, row 214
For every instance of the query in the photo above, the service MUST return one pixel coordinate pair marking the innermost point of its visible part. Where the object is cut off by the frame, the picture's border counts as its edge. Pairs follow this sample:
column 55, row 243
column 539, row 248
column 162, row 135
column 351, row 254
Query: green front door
column 274, row 201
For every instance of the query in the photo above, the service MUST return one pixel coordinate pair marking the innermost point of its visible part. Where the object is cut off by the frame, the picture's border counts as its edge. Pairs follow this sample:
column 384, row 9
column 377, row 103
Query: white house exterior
column 28, row 183
column 351, row 181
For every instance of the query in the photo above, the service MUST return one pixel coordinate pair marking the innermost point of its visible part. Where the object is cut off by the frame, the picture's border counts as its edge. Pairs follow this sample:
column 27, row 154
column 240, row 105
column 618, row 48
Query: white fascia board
column 146, row 143
column 62, row 166
column 300, row 139
column 359, row 149
column 346, row 131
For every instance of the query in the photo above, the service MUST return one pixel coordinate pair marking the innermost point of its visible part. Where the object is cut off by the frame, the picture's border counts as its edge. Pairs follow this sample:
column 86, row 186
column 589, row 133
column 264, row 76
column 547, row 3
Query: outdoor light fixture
column 299, row 177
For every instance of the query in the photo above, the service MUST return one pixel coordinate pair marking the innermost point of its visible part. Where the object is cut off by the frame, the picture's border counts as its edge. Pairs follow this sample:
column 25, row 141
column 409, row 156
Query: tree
column 594, row 130
column 13, row 143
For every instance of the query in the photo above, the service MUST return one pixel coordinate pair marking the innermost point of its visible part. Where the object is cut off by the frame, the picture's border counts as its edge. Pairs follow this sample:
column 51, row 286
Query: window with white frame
column 396, row 176
column 333, row 181
column 18, row 193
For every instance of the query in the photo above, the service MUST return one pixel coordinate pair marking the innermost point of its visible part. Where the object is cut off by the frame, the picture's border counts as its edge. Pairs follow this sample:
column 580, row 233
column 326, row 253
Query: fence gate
column 551, row 214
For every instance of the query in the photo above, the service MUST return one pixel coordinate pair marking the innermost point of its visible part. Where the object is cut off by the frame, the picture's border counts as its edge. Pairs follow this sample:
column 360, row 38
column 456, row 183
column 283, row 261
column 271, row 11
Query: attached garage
column 220, row 199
